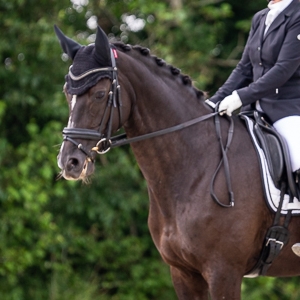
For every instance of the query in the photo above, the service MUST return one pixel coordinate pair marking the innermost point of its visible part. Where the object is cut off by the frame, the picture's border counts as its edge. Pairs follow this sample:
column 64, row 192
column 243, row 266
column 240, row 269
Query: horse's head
column 93, row 95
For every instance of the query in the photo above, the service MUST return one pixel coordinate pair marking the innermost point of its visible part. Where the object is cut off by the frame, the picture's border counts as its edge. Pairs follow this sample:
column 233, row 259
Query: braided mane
column 186, row 80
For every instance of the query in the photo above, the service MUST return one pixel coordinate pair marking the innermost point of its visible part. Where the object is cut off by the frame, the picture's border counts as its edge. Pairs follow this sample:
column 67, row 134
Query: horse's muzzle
column 75, row 166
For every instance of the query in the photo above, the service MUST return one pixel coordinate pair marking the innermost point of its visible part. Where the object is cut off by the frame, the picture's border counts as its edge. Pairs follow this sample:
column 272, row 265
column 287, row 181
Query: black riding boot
column 296, row 247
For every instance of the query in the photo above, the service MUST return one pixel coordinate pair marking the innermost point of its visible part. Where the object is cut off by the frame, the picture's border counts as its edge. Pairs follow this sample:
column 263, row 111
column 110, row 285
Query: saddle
column 275, row 150
column 278, row 163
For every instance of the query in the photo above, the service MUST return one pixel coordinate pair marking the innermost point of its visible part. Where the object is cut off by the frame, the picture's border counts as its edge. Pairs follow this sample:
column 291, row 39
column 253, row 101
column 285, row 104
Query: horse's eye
column 99, row 95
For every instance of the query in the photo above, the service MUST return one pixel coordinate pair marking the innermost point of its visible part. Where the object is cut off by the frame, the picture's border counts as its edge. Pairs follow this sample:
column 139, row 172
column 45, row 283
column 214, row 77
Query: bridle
column 113, row 101
column 106, row 141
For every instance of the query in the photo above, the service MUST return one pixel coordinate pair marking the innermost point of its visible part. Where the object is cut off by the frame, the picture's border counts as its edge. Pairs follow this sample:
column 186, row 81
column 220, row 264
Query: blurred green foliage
column 64, row 240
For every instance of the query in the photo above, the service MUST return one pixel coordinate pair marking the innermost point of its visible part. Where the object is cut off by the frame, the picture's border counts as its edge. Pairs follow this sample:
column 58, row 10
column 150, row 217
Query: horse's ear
column 68, row 45
column 102, row 48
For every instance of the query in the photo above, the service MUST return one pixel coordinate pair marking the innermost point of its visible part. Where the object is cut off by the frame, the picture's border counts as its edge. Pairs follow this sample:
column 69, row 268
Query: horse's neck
column 162, row 101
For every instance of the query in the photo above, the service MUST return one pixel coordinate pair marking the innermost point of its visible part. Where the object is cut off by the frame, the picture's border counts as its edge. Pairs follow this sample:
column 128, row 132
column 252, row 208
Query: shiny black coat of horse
column 209, row 248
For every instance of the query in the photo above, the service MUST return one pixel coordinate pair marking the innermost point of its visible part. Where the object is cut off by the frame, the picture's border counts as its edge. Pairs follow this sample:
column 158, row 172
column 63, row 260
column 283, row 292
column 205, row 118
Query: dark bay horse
column 209, row 248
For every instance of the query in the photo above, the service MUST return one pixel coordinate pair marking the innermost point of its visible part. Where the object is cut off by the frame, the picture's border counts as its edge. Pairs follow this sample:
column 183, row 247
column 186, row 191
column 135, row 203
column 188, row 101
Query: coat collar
column 286, row 13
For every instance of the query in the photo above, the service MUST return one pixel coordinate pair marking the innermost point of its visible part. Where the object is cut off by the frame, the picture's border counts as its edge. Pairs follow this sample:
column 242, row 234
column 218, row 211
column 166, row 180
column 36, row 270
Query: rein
column 224, row 161
column 163, row 131
column 121, row 139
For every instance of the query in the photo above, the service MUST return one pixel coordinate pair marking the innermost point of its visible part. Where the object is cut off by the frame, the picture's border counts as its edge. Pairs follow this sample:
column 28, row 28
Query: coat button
column 260, row 64
column 298, row 36
column 258, row 48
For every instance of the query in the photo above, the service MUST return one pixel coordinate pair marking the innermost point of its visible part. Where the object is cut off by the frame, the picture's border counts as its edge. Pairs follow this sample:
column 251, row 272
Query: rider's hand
column 230, row 103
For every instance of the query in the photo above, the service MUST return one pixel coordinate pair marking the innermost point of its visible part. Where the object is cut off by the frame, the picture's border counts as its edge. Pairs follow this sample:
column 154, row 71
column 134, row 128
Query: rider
column 268, row 75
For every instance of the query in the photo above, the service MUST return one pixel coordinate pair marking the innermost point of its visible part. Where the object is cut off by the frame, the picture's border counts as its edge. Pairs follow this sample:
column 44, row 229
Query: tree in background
column 65, row 240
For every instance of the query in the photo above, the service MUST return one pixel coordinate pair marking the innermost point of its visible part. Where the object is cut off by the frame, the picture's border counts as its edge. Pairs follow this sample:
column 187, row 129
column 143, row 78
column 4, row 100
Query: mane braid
column 123, row 47
column 186, row 80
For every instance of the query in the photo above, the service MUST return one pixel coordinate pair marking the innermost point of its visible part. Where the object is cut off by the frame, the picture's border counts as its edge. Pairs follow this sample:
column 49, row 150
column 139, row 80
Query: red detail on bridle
column 115, row 53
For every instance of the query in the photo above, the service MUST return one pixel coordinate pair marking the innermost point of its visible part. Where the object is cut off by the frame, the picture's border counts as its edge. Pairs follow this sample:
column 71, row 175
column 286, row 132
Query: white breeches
column 289, row 128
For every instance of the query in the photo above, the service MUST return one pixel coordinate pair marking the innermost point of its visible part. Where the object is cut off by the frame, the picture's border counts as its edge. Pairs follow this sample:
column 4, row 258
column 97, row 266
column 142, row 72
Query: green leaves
column 66, row 240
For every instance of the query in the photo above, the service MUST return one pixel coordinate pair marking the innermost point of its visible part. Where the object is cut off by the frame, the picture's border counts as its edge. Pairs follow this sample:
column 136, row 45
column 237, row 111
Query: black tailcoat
column 269, row 69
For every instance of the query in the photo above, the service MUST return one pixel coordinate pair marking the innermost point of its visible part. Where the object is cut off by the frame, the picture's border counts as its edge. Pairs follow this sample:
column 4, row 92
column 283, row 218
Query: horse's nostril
column 72, row 164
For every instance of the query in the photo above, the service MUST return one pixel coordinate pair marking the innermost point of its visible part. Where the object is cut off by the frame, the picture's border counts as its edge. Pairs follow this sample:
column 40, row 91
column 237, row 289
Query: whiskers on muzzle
column 86, row 171
column 59, row 175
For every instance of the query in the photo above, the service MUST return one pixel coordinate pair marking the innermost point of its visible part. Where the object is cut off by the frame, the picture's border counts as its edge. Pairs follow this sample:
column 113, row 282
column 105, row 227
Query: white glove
column 230, row 103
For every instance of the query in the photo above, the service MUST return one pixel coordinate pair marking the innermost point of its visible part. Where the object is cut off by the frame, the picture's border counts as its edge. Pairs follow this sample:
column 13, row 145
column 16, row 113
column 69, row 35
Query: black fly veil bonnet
column 90, row 64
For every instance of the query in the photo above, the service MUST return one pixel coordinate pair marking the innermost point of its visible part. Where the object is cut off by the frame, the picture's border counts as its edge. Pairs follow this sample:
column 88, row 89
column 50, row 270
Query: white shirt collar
column 275, row 10
column 278, row 7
